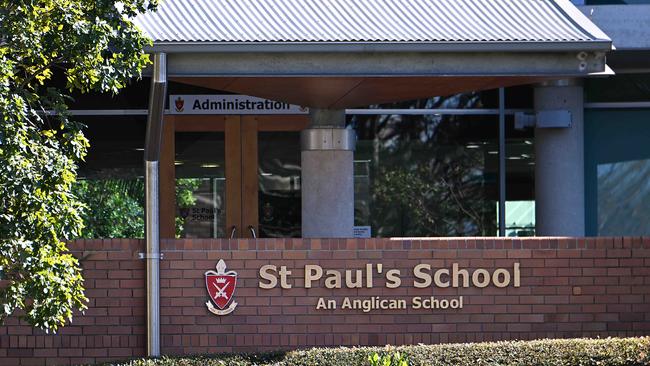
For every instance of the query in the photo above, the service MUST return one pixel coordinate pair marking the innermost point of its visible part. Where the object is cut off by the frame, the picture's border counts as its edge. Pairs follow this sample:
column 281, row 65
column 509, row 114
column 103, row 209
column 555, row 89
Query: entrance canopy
column 347, row 53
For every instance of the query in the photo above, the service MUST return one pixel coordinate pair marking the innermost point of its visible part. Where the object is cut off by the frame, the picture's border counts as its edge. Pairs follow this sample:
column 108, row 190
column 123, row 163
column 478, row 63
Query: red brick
column 520, row 253
column 619, row 253
column 613, row 281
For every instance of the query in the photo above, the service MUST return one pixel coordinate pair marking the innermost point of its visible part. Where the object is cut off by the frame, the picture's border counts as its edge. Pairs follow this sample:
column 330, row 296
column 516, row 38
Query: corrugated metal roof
column 311, row 22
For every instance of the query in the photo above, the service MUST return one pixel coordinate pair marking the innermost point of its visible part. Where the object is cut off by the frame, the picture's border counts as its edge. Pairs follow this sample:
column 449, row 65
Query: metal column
column 502, row 162
column 152, row 230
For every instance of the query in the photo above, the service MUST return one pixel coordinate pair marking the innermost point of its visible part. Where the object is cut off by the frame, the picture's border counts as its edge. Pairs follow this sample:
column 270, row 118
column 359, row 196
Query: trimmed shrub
column 547, row 352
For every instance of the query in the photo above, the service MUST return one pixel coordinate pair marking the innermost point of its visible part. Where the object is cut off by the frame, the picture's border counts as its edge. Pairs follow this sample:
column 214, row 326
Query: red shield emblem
column 179, row 103
column 221, row 288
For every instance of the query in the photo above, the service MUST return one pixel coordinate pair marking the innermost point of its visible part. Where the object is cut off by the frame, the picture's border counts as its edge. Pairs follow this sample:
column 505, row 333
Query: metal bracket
column 151, row 255
column 327, row 139
column 524, row 120
column 556, row 118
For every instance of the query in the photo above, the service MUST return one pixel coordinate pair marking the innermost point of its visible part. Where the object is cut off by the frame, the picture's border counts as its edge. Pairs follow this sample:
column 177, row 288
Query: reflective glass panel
column 520, row 179
column 432, row 175
column 619, row 88
column 200, row 185
column 624, row 198
column 280, row 202
column 111, row 179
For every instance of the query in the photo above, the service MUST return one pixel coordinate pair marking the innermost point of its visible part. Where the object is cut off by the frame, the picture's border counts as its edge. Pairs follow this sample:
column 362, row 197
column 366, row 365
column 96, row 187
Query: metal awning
column 262, row 47
column 378, row 25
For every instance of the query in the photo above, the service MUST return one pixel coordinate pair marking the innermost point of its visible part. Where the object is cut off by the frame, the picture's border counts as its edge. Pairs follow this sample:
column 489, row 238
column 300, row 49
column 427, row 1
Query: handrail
column 253, row 233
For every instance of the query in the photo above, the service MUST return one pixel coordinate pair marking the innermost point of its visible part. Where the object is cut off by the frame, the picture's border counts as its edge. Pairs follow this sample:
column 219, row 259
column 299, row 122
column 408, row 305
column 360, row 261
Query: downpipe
column 152, row 200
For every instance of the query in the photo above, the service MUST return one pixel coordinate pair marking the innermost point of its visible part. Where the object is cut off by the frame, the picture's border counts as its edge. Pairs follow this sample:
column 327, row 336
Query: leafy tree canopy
column 96, row 46
column 115, row 207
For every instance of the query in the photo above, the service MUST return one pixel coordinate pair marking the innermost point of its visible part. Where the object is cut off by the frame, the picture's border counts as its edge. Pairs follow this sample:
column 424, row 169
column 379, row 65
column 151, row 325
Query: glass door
column 202, row 172
column 279, row 198
column 200, row 184
column 236, row 176
column 271, row 200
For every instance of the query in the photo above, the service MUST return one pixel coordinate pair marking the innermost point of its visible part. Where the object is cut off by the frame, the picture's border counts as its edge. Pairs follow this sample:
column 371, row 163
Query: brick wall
column 113, row 326
column 569, row 288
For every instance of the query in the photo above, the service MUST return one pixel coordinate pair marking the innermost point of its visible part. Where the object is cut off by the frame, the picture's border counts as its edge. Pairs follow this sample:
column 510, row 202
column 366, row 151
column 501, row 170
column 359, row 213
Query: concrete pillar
column 559, row 159
column 327, row 181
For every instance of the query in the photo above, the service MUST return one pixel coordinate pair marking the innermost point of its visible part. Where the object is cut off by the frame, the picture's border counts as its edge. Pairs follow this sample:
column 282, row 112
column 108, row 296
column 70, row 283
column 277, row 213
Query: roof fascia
column 369, row 47
column 425, row 64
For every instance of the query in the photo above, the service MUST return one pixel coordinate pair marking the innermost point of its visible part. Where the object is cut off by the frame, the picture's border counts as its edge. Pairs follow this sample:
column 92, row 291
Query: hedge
column 547, row 352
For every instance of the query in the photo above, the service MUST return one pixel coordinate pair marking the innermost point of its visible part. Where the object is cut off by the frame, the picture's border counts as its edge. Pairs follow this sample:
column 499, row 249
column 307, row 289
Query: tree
column 96, row 47
column 115, row 207
column 423, row 181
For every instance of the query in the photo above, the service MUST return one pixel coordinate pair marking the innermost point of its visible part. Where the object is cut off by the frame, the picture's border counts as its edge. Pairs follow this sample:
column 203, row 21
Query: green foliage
column 96, row 47
column 223, row 359
column 547, row 352
column 388, row 359
column 114, row 207
column 422, row 179
column 185, row 188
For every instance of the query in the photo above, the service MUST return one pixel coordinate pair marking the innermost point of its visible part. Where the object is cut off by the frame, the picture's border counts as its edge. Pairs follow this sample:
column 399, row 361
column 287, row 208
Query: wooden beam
column 167, row 180
column 233, row 175
column 250, row 195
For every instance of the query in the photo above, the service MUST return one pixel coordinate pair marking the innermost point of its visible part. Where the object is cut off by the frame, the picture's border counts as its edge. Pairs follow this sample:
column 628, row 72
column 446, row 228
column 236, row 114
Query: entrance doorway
column 233, row 176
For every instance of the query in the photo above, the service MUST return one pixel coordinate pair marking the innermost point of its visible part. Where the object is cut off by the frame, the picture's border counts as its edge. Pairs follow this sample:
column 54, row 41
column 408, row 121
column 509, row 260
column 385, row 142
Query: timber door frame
column 241, row 164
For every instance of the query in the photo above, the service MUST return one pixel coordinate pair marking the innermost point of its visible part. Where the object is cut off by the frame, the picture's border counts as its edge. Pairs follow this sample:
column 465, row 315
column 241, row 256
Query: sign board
column 232, row 104
column 221, row 284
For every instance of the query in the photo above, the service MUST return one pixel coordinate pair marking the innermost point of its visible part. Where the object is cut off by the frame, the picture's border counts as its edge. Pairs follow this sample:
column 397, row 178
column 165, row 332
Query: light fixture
column 178, row 163
column 472, row 146
column 210, row 165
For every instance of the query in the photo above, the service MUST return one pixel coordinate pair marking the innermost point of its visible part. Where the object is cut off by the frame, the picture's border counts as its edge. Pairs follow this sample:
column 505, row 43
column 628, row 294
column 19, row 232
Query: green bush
column 388, row 359
column 548, row 352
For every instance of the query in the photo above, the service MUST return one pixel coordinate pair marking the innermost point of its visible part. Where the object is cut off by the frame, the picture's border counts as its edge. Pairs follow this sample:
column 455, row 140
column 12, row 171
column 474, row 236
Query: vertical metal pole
column 152, row 230
column 502, row 163
column 153, row 259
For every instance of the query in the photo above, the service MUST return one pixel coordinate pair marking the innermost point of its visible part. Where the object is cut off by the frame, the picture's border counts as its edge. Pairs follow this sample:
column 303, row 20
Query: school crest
column 179, row 104
column 221, row 288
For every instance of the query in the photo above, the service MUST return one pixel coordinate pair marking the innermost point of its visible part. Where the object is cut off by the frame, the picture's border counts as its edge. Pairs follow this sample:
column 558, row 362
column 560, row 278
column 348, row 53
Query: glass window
column 617, row 172
column 111, row 179
column 431, row 175
column 620, row 88
column 520, row 180
column 623, row 190
column 200, row 184
column 437, row 175
column 280, row 202
column 479, row 99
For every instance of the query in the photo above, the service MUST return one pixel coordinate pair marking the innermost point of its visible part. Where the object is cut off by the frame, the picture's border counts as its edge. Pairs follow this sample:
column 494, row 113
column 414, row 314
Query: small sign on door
column 362, row 232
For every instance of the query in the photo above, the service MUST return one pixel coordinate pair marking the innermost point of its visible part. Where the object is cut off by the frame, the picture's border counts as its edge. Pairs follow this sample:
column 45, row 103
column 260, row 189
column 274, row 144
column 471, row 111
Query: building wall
column 569, row 288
